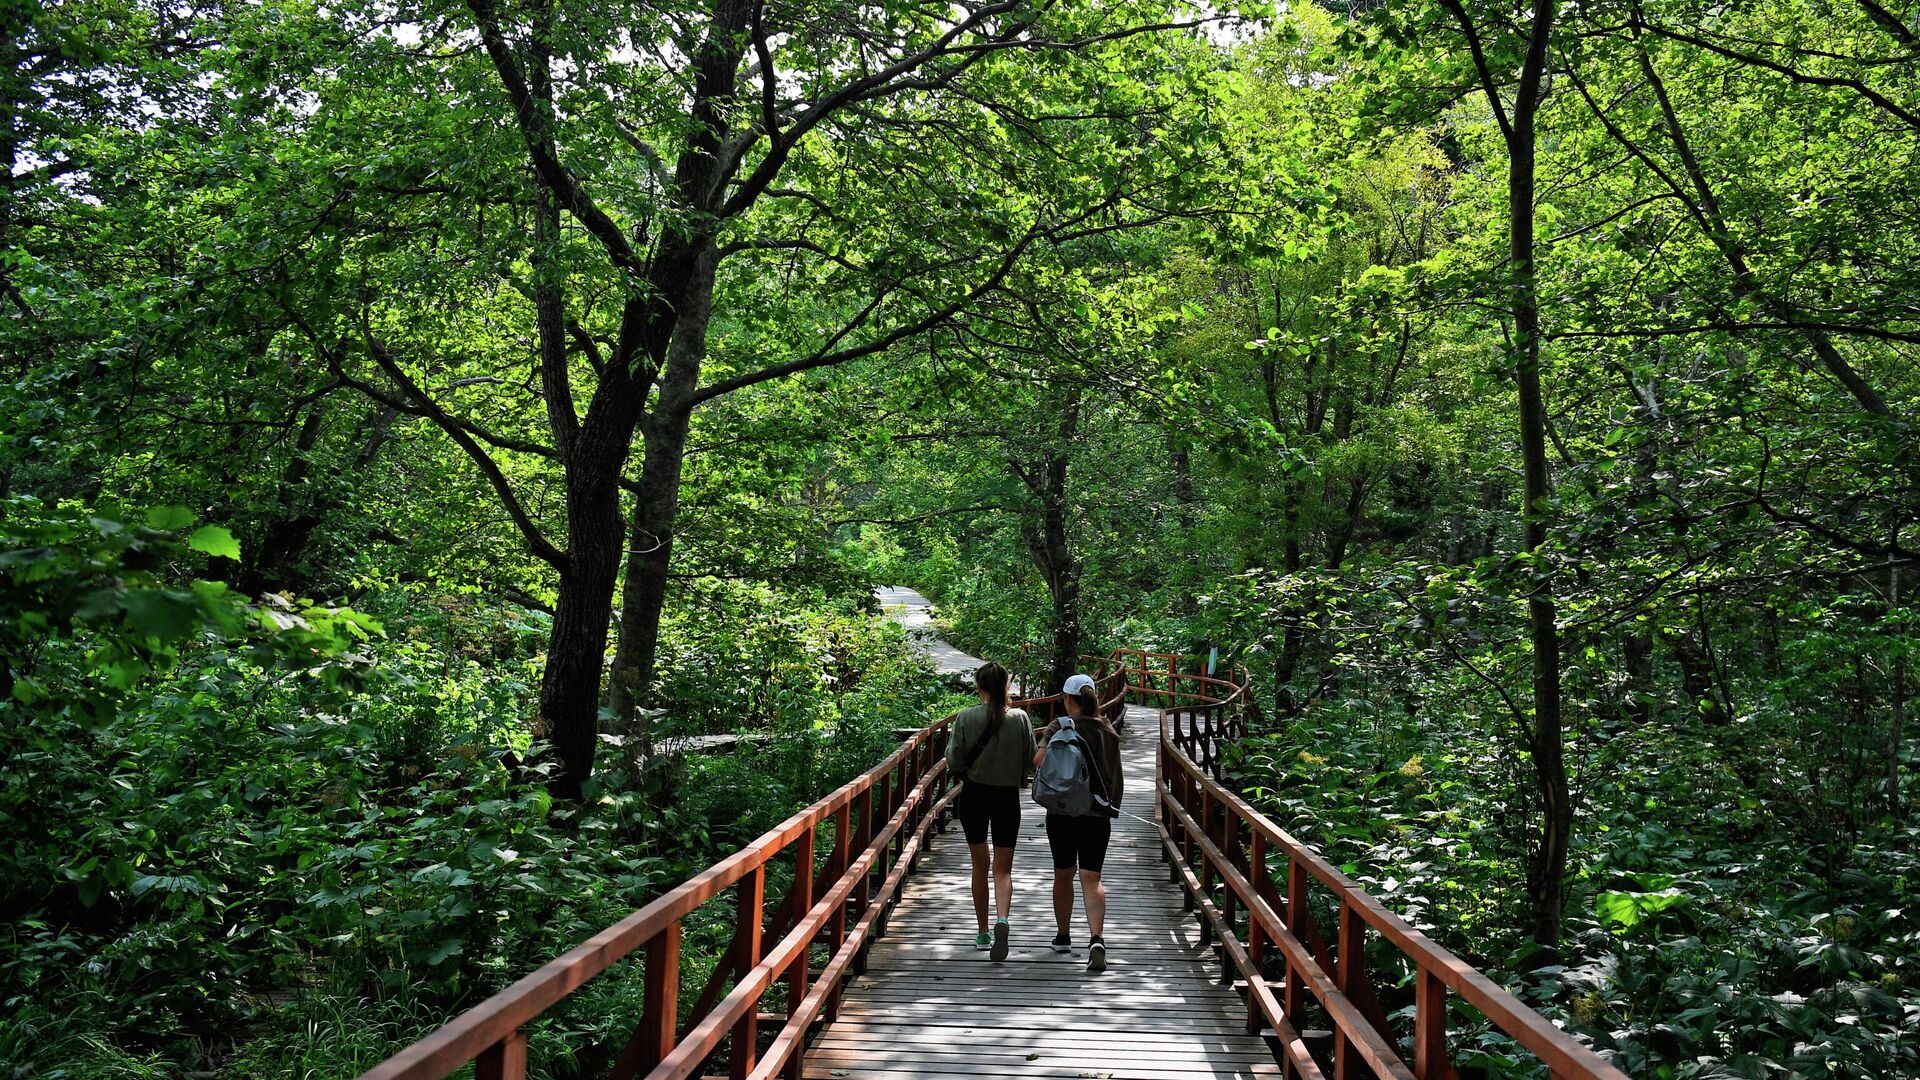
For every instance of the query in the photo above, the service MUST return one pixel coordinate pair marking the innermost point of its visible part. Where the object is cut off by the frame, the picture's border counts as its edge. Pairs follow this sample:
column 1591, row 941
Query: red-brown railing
column 879, row 822
column 1224, row 853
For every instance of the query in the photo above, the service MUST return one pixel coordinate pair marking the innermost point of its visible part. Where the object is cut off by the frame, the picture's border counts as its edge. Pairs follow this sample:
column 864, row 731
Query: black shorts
column 1080, row 840
column 989, row 805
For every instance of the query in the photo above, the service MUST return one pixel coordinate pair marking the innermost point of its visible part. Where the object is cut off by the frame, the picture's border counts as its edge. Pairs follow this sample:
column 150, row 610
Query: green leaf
column 445, row 951
column 1623, row 911
column 163, row 615
column 215, row 540
column 170, row 518
column 1617, row 910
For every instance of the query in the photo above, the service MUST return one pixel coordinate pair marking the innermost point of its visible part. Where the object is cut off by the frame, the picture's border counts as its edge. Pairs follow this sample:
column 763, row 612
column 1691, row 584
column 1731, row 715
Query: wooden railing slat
column 504, row 1060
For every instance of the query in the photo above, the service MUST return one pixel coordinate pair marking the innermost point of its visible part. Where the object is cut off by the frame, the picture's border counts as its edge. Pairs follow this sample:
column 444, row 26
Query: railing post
column 1196, row 857
column 1296, row 922
column 797, row 973
column 1429, row 1026
column 749, row 918
column 843, row 856
column 919, row 809
column 504, row 1060
column 1256, row 937
column 879, row 810
column 661, row 1001
column 1229, row 844
column 1348, row 963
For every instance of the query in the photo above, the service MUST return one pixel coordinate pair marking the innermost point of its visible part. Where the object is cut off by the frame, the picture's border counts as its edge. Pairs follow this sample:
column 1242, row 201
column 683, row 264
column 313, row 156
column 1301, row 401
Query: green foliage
column 285, row 841
column 1213, row 350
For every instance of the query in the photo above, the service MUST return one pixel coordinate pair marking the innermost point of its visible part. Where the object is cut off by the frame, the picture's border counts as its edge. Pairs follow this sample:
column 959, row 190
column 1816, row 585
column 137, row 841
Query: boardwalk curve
column 914, row 613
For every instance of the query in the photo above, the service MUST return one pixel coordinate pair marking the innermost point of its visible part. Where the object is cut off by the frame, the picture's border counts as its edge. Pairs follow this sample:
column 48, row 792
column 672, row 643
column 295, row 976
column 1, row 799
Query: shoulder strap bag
column 986, row 737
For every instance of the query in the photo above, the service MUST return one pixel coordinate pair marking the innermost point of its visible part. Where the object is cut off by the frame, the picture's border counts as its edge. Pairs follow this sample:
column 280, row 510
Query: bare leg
column 1002, row 885
column 1096, row 897
column 979, row 853
column 1063, row 899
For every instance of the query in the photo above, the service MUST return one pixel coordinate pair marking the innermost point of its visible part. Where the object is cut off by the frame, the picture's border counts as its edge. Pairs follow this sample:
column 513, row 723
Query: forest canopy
column 420, row 419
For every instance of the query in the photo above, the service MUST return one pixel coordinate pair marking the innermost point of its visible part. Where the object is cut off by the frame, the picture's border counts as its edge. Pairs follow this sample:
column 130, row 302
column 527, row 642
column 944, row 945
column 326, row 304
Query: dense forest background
column 418, row 417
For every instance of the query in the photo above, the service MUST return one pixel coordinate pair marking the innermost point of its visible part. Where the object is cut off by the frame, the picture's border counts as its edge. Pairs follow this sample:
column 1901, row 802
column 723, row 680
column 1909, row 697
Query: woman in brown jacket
column 1081, row 842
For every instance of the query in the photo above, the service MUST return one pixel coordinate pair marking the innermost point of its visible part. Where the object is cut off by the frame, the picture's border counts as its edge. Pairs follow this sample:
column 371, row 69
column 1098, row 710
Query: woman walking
column 987, row 751
column 1080, row 842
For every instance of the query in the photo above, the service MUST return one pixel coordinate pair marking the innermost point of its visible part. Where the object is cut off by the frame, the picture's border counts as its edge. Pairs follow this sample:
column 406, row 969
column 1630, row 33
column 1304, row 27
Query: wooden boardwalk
column 914, row 613
column 931, row 1006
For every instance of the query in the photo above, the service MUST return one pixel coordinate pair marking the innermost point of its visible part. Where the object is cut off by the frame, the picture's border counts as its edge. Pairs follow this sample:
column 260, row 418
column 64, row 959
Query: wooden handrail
column 492, row 1033
column 1227, row 878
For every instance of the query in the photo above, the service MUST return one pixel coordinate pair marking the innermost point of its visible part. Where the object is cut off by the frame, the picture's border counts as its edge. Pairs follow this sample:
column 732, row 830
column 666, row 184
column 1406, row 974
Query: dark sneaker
column 1062, row 943
column 1096, row 956
column 1000, row 932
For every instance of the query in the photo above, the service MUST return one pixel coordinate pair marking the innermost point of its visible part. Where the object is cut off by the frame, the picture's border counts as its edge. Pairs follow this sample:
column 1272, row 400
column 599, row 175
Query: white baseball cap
column 1076, row 683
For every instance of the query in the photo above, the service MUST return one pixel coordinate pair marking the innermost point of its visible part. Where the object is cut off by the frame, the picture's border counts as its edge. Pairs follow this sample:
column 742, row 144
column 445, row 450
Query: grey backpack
column 1063, row 782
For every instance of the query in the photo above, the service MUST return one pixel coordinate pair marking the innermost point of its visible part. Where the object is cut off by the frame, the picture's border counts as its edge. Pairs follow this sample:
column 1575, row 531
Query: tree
column 765, row 96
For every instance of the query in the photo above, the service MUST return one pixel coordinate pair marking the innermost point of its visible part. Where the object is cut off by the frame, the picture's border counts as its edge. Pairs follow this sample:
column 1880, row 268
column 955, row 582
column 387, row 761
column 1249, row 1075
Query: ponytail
column 991, row 680
column 1089, row 698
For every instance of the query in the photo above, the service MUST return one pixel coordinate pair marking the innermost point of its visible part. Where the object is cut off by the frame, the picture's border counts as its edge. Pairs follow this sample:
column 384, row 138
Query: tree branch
column 1890, row 23
column 535, row 133
column 1793, row 74
column 529, row 531
column 827, row 356
column 1480, row 66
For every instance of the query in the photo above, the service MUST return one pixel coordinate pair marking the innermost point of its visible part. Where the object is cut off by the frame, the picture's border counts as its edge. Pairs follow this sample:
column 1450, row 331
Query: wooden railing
column 878, row 824
column 1226, row 855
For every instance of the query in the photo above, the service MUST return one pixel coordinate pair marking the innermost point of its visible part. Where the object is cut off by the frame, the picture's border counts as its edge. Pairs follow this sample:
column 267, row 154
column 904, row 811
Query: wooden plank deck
column 930, row 1006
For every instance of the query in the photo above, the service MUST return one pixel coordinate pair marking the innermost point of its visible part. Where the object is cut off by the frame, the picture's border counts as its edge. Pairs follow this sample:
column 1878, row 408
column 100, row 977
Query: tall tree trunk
column 1064, row 583
column 1546, row 876
column 1547, row 863
column 592, row 455
column 1048, row 540
column 295, row 518
column 1696, row 679
column 583, row 605
column 656, row 506
column 1897, row 736
column 1058, row 563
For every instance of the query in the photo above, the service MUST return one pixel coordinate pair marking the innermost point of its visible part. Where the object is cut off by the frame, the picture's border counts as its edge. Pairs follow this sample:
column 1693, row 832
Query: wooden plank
column 1026, row 1069
column 1018, row 1064
column 970, row 1040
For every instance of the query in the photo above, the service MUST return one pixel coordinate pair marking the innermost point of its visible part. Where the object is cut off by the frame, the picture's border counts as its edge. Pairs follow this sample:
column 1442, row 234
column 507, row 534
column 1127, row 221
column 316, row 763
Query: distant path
column 915, row 613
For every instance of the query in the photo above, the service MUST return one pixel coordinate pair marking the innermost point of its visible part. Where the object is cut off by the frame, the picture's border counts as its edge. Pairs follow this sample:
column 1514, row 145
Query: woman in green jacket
column 987, row 751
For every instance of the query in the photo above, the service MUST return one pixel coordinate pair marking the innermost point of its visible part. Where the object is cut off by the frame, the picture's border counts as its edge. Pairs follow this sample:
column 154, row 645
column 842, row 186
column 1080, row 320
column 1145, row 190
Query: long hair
column 991, row 679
